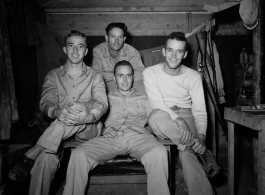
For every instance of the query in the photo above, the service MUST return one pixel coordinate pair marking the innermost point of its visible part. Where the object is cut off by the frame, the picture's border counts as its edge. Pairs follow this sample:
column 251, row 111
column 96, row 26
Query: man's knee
column 156, row 115
column 78, row 153
column 91, row 131
column 158, row 153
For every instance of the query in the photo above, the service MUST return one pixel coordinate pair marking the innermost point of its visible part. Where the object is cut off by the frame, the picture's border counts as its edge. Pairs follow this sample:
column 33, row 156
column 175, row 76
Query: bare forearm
column 107, row 75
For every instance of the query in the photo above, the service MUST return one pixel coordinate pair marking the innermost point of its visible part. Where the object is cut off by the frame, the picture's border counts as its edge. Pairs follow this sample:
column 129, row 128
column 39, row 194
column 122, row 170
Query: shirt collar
column 132, row 93
column 106, row 53
column 64, row 69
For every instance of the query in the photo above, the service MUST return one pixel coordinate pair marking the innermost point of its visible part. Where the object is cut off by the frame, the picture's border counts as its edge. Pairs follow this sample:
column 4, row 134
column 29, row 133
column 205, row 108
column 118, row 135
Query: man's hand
column 108, row 75
column 81, row 114
column 199, row 146
column 110, row 132
column 186, row 134
column 64, row 116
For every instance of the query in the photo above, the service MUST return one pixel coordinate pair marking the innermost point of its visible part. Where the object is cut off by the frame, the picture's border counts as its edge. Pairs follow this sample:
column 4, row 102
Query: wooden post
column 231, row 158
column 261, row 160
column 259, row 94
column 259, row 68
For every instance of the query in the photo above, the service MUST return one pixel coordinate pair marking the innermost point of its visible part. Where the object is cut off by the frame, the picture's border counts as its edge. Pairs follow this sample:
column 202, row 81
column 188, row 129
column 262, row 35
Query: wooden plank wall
column 143, row 18
column 138, row 23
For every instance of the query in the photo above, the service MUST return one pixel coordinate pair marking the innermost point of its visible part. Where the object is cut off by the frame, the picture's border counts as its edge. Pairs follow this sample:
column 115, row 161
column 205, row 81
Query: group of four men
column 75, row 96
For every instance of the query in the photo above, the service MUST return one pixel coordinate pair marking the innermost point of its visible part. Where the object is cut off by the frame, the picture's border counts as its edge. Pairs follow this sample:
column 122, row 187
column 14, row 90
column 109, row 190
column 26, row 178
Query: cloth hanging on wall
column 23, row 27
column 8, row 102
column 248, row 9
column 213, row 59
column 215, row 72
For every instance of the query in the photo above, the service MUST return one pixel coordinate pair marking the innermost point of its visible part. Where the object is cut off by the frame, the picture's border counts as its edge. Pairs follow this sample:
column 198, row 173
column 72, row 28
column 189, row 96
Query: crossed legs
column 165, row 128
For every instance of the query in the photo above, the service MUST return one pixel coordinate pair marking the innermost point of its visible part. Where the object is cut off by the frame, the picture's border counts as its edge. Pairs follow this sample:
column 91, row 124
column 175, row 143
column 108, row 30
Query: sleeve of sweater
column 153, row 93
column 198, row 104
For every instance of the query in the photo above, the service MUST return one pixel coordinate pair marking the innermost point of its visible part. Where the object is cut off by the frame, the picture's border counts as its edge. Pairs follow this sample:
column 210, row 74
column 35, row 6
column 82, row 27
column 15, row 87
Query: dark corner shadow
column 89, row 57
column 220, row 179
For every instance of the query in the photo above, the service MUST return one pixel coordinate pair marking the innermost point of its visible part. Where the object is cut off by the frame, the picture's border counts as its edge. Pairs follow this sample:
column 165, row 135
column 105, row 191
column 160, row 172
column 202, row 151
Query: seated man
column 176, row 94
column 107, row 54
column 75, row 95
column 124, row 133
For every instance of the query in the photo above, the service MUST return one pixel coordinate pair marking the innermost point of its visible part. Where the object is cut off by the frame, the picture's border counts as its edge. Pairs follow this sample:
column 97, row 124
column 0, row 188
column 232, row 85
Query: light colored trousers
column 145, row 148
column 52, row 137
column 165, row 128
column 47, row 162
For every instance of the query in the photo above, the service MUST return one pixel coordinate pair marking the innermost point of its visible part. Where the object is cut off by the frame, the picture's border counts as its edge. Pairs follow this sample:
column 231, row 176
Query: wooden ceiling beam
column 124, row 9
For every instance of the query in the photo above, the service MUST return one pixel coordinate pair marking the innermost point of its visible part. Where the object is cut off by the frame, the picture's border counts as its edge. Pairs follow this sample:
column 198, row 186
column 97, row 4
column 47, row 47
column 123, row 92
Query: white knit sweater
column 185, row 90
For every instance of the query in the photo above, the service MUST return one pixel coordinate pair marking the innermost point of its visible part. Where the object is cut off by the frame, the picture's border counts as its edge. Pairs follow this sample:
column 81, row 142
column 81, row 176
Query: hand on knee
column 186, row 135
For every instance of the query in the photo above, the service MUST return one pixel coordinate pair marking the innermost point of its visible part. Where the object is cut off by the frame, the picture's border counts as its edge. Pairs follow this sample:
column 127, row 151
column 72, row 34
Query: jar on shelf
column 244, row 58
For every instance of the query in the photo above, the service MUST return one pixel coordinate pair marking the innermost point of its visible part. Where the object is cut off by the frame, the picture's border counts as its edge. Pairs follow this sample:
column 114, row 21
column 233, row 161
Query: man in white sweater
column 176, row 94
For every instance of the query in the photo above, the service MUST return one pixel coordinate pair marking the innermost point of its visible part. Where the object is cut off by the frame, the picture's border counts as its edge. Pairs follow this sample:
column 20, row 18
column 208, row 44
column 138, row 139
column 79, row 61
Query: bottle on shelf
column 243, row 93
column 244, row 58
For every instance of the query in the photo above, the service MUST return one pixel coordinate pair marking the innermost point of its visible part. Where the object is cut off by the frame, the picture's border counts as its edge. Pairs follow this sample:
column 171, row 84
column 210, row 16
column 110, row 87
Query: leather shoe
column 209, row 163
column 21, row 170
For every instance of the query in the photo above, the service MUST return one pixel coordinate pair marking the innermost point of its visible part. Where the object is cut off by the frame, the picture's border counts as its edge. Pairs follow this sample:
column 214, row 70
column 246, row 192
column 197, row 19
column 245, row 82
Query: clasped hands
column 186, row 137
column 73, row 114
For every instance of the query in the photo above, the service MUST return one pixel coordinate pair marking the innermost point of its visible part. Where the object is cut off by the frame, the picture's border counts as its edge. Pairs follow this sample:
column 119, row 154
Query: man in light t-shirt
column 176, row 94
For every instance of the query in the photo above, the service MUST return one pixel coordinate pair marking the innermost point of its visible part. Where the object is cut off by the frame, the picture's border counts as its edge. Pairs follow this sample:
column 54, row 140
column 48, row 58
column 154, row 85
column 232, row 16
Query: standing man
column 176, row 94
column 124, row 133
column 75, row 96
column 108, row 53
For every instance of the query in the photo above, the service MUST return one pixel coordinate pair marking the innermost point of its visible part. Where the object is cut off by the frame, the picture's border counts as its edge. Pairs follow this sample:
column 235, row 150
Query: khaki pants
column 145, row 148
column 165, row 128
column 47, row 163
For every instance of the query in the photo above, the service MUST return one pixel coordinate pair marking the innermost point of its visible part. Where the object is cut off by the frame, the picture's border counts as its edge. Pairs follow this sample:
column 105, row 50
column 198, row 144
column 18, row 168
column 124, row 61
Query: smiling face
column 124, row 79
column 75, row 49
column 115, row 39
column 174, row 53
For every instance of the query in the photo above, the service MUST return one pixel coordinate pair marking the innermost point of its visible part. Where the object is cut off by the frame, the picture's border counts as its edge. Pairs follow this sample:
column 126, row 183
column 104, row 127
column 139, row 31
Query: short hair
column 180, row 36
column 123, row 63
column 119, row 25
column 75, row 33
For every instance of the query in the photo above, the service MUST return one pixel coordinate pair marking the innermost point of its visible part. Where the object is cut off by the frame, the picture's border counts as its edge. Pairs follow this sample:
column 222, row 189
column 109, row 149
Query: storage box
column 9, row 156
